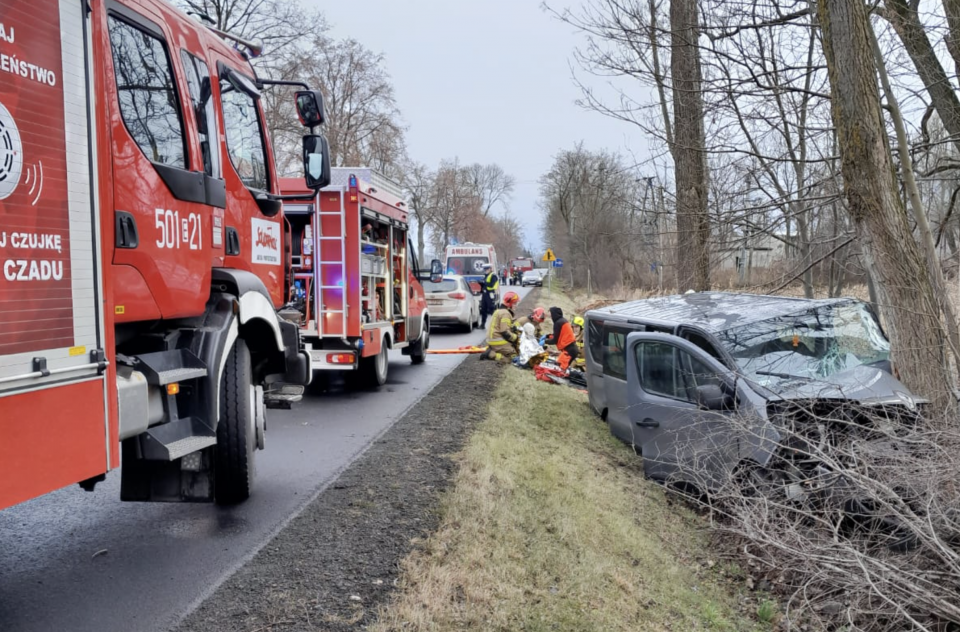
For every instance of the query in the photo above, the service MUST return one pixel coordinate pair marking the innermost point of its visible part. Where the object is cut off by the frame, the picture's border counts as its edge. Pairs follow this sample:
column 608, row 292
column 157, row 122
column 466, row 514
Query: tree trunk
column 906, row 295
column 421, row 244
column 905, row 19
column 916, row 205
column 690, row 165
column 952, row 9
column 803, row 237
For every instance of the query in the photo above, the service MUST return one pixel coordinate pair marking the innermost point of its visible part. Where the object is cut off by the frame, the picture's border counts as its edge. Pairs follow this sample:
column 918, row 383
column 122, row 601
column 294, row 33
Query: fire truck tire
column 373, row 370
column 418, row 352
column 236, row 432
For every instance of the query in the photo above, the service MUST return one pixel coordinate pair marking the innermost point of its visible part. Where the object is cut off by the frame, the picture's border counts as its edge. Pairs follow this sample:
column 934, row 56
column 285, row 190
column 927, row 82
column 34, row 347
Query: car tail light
column 340, row 358
column 457, row 295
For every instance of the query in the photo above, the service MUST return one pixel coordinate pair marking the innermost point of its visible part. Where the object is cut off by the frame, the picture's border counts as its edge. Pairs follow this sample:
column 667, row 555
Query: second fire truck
column 356, row 274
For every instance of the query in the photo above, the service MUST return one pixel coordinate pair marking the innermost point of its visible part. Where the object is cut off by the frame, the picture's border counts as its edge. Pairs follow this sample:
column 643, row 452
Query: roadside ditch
column 335, row 564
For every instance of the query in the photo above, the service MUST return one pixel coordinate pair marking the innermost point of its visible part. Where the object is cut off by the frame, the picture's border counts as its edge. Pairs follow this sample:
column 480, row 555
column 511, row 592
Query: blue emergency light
column 353, row 182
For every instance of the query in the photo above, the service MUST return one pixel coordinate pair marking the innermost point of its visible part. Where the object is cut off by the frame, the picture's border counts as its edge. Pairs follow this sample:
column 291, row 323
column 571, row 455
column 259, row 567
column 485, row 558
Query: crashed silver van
column 703, row 383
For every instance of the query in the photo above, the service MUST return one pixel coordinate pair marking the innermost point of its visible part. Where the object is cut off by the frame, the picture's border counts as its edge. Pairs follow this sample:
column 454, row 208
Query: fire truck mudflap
column 54, row 378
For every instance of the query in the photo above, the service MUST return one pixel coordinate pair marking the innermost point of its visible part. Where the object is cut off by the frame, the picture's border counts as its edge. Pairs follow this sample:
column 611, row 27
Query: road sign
column 558, row 263
column 549, row 256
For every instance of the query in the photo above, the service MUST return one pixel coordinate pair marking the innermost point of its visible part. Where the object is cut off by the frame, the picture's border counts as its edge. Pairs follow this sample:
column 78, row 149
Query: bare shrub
column 854, row 519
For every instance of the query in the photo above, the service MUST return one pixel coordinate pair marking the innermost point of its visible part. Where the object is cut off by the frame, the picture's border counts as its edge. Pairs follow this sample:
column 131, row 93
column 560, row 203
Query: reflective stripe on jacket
column 500, row 324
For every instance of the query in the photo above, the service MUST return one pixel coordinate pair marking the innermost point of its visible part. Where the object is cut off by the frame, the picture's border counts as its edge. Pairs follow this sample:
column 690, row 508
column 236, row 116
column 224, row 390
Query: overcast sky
column 483, row 81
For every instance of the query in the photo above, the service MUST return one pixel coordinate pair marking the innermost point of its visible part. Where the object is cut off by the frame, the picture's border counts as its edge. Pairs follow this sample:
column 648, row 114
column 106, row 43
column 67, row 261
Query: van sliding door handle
column 648, row 423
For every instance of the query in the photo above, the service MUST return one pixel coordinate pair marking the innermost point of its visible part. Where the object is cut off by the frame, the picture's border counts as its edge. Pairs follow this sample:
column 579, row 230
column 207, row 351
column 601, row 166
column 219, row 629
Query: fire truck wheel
column 236, row 432
column 374, row 369
column 418, row 354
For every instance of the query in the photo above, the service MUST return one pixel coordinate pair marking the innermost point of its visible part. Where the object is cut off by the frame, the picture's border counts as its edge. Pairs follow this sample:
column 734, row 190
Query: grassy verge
column 557, row 298
column 550, row 526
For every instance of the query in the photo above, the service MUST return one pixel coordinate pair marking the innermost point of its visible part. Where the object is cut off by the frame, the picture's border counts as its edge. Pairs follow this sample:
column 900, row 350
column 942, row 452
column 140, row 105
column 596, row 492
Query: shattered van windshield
column 811, row 345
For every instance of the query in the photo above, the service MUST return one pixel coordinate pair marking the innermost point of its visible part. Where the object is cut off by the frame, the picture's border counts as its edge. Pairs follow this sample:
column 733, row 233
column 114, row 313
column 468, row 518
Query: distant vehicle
column 532, row 277
column 453, row 302
column 356, row 288
column 467, row 260
column 705, row 385
column 521, row 265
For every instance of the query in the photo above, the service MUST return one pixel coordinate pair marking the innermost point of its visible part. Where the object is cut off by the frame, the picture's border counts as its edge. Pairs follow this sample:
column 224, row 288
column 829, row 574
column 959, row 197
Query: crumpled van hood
column 863, row 384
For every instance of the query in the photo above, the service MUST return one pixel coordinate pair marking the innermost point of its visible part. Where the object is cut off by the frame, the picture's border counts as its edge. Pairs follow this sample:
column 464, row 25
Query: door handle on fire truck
column 648, row 423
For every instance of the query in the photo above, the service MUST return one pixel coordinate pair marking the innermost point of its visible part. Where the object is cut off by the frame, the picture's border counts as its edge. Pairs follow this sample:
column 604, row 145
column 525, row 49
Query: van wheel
column 236, row 431
column 373, row 369
column 418, row 353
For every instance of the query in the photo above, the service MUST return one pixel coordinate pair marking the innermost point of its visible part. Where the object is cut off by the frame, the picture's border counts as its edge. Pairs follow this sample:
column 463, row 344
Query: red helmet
column 538, row 315
column 510, row 299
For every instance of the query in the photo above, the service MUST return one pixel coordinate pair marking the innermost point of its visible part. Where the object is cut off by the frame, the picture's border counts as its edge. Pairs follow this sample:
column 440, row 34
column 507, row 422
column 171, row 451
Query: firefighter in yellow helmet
column 501, row 336
column 578, row 324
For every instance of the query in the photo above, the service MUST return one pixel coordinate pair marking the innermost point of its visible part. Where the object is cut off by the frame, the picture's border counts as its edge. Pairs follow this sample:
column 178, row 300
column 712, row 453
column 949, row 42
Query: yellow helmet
column 578, row 321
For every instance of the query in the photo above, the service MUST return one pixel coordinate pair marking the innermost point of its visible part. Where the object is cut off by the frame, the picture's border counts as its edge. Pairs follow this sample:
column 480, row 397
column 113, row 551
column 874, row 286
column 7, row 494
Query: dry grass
column 551, row 526
column 559, row 299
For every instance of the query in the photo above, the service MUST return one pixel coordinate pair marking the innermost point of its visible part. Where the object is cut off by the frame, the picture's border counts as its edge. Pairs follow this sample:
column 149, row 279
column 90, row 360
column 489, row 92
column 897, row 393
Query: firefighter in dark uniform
column 491, row 291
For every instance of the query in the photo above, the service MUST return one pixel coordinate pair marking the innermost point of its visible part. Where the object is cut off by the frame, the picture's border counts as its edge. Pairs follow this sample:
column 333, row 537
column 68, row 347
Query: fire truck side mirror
column 310, row 108
column 316, row 161
column 436, row 271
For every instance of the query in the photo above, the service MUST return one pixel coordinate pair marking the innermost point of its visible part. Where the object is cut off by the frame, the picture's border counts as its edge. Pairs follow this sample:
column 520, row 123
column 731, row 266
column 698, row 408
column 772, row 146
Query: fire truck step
column 167, row 367
column 170, row 441
column 283, row 397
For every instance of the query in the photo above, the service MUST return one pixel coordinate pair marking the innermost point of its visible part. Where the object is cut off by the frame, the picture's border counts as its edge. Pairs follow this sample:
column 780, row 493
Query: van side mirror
column 316, row 161
column 712, row 397
column 310, row 108
column 436, row 271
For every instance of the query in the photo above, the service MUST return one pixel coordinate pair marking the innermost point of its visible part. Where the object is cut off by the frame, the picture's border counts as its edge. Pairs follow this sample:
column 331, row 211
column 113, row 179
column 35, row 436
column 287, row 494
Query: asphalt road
column 73, row 561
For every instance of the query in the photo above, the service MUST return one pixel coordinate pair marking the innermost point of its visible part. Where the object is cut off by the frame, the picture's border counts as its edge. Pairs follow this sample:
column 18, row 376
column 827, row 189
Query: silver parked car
column 531, row 277
column 452, row 301
column 702, row 384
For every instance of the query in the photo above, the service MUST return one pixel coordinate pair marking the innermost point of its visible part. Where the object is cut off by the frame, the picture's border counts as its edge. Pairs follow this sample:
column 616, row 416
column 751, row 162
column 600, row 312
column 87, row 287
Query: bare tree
column 277, row 23
column 363, row 121
column 454, row 202
column 907, row 296
column 904, row 16
column 491, row 184
column 588, row 199
column 952, row 9
column 418, row 181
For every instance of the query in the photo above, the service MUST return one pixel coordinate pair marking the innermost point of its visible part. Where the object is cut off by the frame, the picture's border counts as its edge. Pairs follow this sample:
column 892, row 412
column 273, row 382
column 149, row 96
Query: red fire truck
column 141, row 247
column 355, row 274
column 521, row 265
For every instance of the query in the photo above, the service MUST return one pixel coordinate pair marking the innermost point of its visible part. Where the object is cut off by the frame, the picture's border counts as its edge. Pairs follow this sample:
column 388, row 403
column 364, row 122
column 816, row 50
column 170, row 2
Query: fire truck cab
column 141, row 253
column 356, row 274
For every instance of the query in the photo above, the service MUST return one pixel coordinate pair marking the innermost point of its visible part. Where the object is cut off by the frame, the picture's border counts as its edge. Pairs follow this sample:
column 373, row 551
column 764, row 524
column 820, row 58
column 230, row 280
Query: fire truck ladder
column 332, row 267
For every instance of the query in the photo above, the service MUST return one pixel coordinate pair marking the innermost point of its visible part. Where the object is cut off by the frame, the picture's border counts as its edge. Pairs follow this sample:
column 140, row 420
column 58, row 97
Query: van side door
column 682, row 435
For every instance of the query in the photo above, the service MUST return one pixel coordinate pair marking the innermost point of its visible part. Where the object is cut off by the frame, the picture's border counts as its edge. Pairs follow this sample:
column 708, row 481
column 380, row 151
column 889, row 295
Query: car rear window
column 447, row 285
